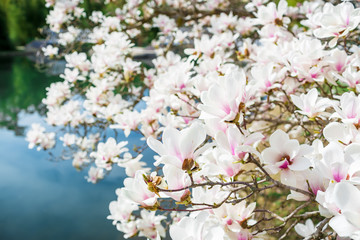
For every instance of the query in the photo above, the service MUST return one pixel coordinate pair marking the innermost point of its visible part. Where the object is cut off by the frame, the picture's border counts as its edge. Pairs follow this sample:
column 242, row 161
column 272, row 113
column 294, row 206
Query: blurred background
column 40, row 198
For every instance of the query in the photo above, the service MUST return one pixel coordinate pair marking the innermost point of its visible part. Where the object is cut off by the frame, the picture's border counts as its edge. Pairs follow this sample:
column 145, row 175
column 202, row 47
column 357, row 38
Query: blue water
column 41, row 198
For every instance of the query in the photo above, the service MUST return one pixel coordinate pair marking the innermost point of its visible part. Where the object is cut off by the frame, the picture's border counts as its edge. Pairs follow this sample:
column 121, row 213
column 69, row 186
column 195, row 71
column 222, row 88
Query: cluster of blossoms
column 252, row 107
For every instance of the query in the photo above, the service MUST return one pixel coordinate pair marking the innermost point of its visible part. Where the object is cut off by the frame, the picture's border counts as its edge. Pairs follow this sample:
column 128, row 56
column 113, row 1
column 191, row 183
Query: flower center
column 286, row 162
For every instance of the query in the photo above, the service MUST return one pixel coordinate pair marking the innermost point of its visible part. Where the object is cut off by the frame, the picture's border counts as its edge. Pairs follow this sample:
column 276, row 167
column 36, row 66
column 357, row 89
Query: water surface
column 41, row 198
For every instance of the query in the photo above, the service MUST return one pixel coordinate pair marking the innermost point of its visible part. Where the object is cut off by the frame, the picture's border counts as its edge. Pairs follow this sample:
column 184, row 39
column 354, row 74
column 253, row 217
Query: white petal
column 156, row 145
column 300, row 164
column 277, row 140
column 341, row 226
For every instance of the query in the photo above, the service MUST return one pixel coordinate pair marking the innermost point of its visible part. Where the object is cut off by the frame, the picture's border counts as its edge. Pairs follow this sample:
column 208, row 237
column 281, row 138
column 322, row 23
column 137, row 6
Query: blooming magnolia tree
column 252, row 107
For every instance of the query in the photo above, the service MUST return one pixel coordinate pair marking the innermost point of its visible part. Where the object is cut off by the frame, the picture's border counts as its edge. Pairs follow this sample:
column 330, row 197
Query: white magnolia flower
column 196, row 228
column 108, row 153
column 95, row 174
column 285, row 155
column 136, row 189
column 224, row 97
column 337, row 21
column 310, row 104
column 50, row 50
column 305, row 230
column 346, row 197
column 122, row 208
column 149, row 225
column 179, row 148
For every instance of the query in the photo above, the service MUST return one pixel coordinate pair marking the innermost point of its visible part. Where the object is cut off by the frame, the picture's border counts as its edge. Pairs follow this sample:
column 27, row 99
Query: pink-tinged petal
column 170, row 138
column 222, row 140
column 252, row 138
column 339, row 171
column 271, row 156
column 150, row 201
column 211, row 112
column 248, row 149
column 234, row 227
column 191, row 138
column 175, row 177
column 234, row 138
column 300, row 164
column 229, row 171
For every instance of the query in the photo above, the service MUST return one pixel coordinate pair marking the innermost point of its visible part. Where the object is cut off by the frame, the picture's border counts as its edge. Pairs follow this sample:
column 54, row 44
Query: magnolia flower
column 37, row 136
column 310, row 104
column 120, row 210
column 68, row 139
column 95, row 174
column 349, row 109
column 149, row 225
column 57, row 93
column 305, row 230
column 208, row 195
column 50, row 50
column 72, row 76
column 128, row 228
column 233, row 216
column 108, row 153
column 176, row 179
column 337, row 21
column 272, row 14
column 346, row 197
column 338, row 60
column 350, row 77
column 285, row 155
column 179, row 148
column 237, row 143
column 341, row 132
column 265, row 77
column 132, row 165
column 190, row 228
column 219, row 162
column 205, row 46
column 339, row 164
column 165, row 23
column 80, row 159
column 136, row 189
column 78, row 60
column 224, row 97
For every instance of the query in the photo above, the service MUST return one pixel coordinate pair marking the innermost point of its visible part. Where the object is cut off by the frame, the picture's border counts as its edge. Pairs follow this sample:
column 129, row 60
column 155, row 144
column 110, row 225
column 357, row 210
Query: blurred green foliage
column 293, row 3
column 19, row 21
column 22, row 87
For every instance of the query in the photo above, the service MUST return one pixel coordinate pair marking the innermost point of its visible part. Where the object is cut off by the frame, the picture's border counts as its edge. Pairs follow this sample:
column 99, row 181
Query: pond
column 41, row 198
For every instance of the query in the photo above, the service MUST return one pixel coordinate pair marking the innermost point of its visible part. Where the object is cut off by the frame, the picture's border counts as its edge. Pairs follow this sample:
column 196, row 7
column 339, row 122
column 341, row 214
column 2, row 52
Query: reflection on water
column 42, row 199
column 21, row 89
